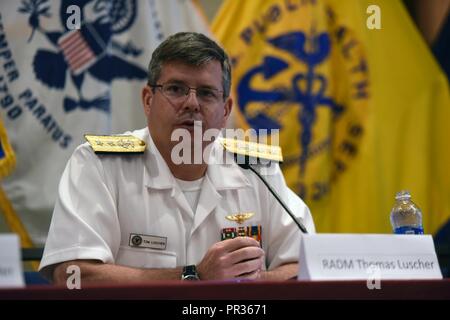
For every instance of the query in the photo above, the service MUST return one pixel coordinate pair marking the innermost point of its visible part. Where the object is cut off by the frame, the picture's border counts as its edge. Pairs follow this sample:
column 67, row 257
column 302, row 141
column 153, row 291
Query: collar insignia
column 252, row 149
column 115, row 144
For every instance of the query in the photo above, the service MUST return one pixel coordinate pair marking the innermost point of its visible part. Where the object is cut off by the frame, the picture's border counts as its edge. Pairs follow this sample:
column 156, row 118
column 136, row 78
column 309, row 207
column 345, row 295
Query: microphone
column 244, row 151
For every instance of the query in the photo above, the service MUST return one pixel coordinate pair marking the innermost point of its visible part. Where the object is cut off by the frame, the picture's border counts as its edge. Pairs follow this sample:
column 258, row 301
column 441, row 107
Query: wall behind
column 210, row 7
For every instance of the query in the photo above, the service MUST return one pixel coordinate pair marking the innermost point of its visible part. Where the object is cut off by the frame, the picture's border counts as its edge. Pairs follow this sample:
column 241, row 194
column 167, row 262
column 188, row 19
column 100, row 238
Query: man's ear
column 147, row 96
column 227, row 111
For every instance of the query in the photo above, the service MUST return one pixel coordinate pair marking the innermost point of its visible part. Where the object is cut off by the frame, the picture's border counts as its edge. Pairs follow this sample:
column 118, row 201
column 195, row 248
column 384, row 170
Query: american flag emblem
column 76, row 51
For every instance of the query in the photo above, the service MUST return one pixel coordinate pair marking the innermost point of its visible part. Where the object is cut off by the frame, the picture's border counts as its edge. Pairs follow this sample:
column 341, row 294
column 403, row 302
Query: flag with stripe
column 76, row 51
column 68, row 68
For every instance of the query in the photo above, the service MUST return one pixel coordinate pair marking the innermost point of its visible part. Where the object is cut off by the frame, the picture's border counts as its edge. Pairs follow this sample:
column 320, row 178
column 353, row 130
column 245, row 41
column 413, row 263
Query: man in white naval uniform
column 137, row 217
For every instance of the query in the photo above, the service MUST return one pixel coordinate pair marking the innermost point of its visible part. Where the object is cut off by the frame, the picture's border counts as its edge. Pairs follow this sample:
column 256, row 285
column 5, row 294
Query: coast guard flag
column 68, row 68
column 362, row 112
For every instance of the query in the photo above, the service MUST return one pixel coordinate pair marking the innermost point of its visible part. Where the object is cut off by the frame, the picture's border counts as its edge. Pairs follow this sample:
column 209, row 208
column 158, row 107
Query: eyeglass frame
column 154, row 86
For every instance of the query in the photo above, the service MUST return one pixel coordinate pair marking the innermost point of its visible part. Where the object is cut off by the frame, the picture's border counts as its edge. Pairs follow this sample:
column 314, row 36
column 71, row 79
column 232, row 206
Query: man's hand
column 241, row 257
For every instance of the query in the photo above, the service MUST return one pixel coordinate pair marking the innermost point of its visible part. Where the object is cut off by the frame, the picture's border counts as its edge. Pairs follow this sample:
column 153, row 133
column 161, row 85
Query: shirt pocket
column 146, row 258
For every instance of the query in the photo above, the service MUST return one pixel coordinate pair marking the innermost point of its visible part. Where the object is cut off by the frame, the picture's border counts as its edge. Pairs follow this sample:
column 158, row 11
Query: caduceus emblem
column 240, row 217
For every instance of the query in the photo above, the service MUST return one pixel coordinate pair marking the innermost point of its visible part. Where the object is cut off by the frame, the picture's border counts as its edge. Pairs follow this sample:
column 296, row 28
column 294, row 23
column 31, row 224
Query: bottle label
column 408, row 230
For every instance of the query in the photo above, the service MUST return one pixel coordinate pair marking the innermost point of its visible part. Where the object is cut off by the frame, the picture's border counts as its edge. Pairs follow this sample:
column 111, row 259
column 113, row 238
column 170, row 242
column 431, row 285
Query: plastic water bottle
column 406, row 217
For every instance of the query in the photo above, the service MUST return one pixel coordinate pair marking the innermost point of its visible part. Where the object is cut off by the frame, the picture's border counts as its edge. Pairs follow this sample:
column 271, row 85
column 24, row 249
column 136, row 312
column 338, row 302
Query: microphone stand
column 273, row 192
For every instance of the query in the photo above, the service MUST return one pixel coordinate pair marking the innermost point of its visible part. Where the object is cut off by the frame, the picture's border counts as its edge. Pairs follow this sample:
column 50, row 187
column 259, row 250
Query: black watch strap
column 190, row 273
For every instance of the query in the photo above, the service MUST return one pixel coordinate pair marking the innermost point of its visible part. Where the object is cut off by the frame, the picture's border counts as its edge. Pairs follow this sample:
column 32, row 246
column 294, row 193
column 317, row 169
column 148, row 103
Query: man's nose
column 191, row 102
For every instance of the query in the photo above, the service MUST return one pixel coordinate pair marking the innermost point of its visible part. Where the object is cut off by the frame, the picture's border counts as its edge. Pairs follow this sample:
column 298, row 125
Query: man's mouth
column 189, row 123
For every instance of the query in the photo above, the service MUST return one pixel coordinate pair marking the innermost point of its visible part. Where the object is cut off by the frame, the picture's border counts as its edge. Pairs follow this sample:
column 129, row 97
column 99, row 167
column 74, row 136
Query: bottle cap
column 403, row 195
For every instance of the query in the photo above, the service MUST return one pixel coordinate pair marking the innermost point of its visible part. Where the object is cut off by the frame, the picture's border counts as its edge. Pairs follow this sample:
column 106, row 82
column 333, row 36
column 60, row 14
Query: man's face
column 165, row 114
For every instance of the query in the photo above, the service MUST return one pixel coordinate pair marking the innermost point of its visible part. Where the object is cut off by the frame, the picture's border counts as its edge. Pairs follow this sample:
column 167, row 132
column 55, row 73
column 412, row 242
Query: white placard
column 367, row 256
column 11, row 274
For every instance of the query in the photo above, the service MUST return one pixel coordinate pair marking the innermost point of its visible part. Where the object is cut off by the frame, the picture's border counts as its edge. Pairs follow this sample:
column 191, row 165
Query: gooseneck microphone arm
column 273, row 192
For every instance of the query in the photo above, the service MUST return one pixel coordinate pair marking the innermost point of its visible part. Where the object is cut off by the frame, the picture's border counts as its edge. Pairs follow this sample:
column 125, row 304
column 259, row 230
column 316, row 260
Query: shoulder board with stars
column 115, row 143
column 252, row 149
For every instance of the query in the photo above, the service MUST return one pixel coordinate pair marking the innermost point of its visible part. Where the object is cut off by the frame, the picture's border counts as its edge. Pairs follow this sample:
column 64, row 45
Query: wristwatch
column 190, row 273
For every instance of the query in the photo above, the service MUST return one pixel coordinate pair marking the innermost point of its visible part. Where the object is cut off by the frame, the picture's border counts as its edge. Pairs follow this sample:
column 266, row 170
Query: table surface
column 243, row 290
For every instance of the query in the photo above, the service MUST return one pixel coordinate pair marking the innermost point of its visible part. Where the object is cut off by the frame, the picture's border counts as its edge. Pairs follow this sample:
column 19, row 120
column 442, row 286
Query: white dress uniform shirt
column 103, row 199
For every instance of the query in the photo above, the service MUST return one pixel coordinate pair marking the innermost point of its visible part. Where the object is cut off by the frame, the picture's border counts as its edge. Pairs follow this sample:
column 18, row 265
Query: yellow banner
column 7, row 164
column 7, row 157
column 362, row 112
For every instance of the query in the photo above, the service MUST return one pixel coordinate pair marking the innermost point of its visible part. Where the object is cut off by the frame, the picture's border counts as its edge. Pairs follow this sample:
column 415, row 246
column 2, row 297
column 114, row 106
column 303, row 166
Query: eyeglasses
column 177, row 92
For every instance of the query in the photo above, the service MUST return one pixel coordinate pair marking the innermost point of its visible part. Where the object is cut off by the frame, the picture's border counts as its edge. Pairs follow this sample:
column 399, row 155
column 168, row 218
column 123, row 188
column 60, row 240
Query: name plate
column 11, row 274
column 367, row 256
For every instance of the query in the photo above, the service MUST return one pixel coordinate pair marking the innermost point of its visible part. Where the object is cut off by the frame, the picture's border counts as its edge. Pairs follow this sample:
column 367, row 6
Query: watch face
column 190, row 277
column 190, row 273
